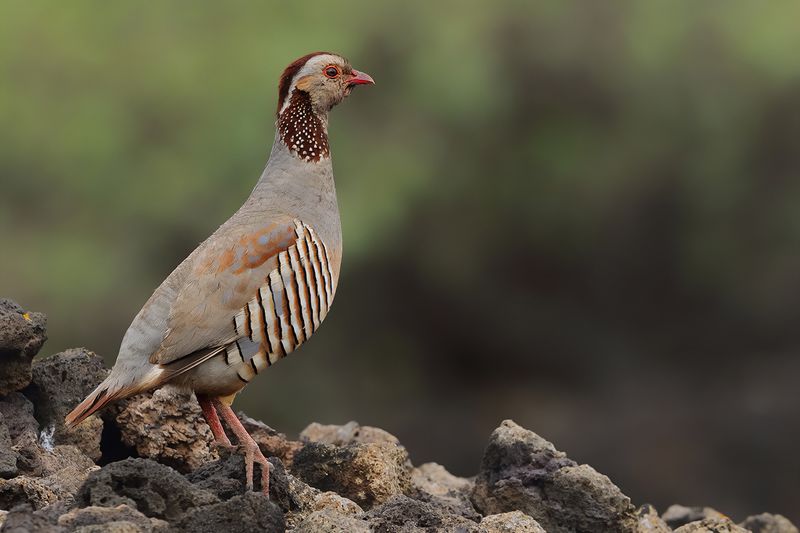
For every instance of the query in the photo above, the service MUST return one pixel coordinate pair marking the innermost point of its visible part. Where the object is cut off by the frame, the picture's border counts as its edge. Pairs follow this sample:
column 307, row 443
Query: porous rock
column 712, row 525
column 23, row 433
column 402, row 514
column 97, row 516
column 53, row 511
column 8, row 456
column 153, row 489
column 329, row 521
column 336, row 503
column 769, row 523
column 167, row 426
column 22, row 334
column 512, row 522
column 46, row 473
column 648, row 520
column 23, row 519
column 367, row 473
column 679, row 515
column 122, row 526
column 251, row 511
column 522, row 471
column 60, row 382
column 431, row 482
column 346, row 434
column 59, row 474
column 25, row 490
column 226, row 479
column 305, row 500
column 64, row 469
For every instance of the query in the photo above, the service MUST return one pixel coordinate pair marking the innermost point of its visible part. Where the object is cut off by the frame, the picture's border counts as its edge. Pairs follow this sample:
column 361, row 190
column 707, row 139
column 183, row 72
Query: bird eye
column 331, row 71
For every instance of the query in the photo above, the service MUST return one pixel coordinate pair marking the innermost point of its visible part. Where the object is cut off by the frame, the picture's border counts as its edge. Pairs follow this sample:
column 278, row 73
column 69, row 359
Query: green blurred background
column 580, row 215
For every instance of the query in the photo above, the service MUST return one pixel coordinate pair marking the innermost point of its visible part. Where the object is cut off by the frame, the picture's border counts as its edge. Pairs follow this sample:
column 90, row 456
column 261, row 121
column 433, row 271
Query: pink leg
column 210, row 414
column 252, row 453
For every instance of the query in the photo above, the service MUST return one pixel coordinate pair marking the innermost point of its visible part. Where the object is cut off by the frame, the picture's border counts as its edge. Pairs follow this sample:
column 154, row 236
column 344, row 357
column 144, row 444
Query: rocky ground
column 146, row 465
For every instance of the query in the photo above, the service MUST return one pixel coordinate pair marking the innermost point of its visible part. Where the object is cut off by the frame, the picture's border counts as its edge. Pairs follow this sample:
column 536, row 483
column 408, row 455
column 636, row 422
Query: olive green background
column 581, row 215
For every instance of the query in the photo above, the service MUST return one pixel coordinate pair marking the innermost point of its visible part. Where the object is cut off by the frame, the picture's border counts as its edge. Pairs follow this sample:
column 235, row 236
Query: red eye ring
column 331, row 71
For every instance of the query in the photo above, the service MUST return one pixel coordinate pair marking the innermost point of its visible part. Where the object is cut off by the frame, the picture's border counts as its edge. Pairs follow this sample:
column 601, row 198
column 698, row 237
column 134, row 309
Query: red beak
column 361, row 78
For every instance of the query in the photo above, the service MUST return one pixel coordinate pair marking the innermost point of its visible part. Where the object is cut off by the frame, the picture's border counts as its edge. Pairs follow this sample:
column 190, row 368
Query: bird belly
column 213, row 378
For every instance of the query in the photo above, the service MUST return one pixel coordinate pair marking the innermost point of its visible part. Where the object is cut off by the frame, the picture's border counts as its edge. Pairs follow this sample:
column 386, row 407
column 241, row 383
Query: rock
column 23, row 431
column 513, row 522
column 22, row 334
column 329, row 521
column 402, row 513
column 580, row 498
column 52, row 512
column 226, row 478
column 768, row 523
column 330, row 501
column 368, row 473
column 712, row 525
column 271, row 443
column 167, row 426
column 347, row 434
column 58, row 475
column 431, row 482
column 307, row 500
column 122, row 526
column 25, row 490
column 153, row 489
column 97, row 516
column 60, row 382
column 522, row 471
column 649, row 521
column 48, row 475
column 251, row 511
column 22, row 519
column 63, row 471
column 434, row 479
column 678, row 515
column 22, row 428
column 8, row 456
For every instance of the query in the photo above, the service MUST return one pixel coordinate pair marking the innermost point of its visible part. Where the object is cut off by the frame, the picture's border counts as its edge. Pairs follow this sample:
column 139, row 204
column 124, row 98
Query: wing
column 225, row 275
column 258, row 298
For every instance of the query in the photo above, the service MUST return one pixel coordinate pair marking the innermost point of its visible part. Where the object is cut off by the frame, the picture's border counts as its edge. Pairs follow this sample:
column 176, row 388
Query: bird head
column 326, row 78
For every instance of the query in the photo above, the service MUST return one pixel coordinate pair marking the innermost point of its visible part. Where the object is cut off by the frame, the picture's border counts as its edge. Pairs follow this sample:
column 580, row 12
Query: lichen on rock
column 22, row 334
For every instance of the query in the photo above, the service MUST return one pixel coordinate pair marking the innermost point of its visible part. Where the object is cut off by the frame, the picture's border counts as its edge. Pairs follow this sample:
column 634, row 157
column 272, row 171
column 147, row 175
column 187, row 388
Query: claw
column 252, row 455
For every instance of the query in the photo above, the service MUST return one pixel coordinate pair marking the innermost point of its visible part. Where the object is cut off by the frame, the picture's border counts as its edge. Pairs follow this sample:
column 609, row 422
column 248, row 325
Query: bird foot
column 247, row 446
column 252, row 454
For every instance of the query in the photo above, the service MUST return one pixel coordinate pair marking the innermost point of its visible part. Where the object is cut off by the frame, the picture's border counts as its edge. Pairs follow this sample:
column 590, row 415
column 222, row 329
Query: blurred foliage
column 582, row 215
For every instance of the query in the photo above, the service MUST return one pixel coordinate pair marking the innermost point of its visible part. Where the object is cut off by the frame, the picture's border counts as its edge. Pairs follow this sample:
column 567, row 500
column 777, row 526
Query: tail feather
column 115, row 389
column 98, row 399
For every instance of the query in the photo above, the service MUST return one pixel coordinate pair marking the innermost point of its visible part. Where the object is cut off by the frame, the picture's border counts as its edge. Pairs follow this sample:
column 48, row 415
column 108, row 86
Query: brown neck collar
column 303, row 132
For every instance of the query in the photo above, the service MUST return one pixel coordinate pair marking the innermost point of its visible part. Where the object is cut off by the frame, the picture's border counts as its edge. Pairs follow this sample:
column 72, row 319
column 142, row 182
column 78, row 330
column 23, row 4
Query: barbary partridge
column 260, row 286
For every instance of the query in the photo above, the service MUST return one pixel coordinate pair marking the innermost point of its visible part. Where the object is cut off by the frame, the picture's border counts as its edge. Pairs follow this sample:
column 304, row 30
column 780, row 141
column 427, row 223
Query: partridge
column 260, row 285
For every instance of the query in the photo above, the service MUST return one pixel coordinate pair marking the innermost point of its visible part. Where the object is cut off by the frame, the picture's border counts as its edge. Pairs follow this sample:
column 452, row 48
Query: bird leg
column 252, row 453
column 210, row 414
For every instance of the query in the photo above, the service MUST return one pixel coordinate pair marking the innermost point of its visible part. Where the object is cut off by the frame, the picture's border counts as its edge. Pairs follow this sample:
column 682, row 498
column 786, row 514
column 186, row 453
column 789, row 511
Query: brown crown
column 288, row 74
